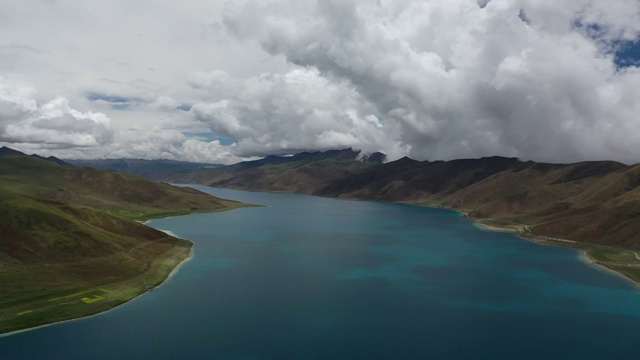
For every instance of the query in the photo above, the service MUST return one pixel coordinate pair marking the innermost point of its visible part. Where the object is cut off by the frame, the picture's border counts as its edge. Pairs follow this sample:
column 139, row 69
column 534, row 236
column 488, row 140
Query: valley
column 595, row 205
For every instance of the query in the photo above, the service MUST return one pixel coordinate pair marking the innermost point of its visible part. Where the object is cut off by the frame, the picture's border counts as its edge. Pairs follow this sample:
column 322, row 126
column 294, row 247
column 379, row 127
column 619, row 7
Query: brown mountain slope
column 407, row 180
column 596, row 202
column 602, row 208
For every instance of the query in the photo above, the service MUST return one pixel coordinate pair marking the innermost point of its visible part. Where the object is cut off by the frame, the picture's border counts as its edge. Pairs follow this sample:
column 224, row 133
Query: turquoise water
column 316, row 278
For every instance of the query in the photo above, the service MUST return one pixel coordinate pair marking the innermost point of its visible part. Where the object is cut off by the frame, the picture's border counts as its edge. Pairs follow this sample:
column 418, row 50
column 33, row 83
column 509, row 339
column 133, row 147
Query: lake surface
column 315, row 278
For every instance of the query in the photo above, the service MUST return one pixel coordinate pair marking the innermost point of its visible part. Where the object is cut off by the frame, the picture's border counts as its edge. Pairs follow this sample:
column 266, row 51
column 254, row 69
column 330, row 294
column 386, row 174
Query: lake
column 316, row 278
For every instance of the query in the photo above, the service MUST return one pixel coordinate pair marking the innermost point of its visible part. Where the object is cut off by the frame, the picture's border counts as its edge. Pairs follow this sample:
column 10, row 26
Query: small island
column 73, row 243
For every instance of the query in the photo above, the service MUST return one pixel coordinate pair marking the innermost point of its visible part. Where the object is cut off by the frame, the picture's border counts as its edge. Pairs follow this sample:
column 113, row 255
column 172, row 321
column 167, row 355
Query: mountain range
column 304, row 172
column 151, row 169
column 596, row 202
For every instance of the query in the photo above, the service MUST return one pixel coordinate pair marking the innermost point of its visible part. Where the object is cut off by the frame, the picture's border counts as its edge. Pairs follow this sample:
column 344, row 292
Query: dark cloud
column 483, row 3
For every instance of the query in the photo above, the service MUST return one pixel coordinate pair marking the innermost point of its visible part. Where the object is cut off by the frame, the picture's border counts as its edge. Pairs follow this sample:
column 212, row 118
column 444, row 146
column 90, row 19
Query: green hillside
column 68, row 244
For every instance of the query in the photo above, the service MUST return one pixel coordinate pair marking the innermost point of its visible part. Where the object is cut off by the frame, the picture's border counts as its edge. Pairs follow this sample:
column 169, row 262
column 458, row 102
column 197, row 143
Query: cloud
column 55, row 128
column 116, row 102
column 54, row 124
column 148, row 144
column 167, row 144
column 286, row 113
column 165, row 103
column 539, row 79
column 449, row 79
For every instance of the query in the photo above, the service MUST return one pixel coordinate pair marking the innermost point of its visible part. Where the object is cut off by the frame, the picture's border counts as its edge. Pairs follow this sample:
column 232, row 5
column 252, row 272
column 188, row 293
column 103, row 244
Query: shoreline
column 175, row 270
column 582, row 253
column 584, row 257
column 524, row 233
column 166, row 280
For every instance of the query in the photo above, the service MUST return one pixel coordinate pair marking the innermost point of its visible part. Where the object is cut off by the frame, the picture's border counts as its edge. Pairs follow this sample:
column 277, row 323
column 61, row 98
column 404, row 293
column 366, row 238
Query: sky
column 225, row 81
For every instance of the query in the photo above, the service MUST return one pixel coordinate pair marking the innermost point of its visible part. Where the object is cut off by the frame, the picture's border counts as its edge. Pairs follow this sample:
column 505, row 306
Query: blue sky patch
column 628, row 54
column 116, row 102
column 224, row 140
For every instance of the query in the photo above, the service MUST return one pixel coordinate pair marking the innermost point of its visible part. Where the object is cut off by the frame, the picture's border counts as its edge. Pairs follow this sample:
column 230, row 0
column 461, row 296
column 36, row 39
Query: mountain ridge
column 552, row 200
column 9, row 152
column 590, row 205
column 151, row 169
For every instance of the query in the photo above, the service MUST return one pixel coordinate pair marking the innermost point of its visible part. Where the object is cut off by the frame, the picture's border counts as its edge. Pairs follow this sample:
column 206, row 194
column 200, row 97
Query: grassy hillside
column 127, row 195
column 69, row 246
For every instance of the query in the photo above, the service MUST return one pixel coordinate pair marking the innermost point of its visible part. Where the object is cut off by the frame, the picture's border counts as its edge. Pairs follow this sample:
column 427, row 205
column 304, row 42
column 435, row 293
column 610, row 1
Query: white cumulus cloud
column 459, row 78
column 55, row 123
column 285, row 113
column 432, row 79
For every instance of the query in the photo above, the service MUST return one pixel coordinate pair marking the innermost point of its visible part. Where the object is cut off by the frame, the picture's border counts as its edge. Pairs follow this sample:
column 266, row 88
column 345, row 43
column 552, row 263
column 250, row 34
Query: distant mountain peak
column 374, row 158
column 7, row 151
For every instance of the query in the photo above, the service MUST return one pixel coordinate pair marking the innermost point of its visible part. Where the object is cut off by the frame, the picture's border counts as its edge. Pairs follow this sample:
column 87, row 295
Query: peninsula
column 71, row 239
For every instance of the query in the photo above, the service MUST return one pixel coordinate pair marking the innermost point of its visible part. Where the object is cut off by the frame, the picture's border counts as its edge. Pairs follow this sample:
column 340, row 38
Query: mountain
column 8, row 152
column 594, row 206
column 594, row 202
column 300, row 173
column 159, row 170
column 68, row 244
column 410, row 180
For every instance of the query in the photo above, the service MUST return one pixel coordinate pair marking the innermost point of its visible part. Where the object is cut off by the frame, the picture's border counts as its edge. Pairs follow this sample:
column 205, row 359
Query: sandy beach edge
column 584, row 257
